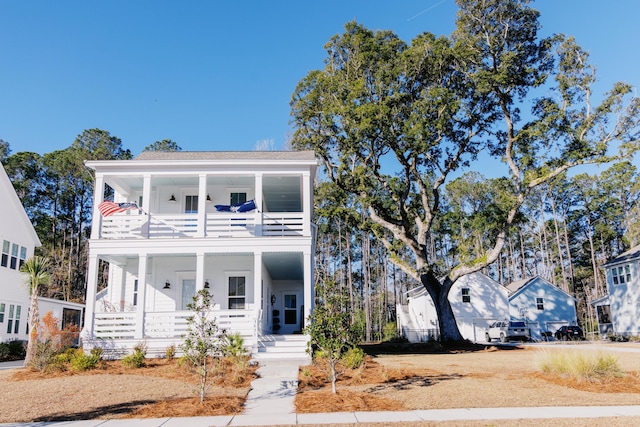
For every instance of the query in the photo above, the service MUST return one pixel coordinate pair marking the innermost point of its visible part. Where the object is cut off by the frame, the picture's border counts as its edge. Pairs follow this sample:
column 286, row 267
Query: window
column 13, row 319
column 5, row 253
column 135, row 292
column 238, row 198
column 2, row 307
column 191, row 204
column 540, row 303
column 621, row 274
column 23, row 256
column 466, row 296
column 14, row 256
column 236, row 292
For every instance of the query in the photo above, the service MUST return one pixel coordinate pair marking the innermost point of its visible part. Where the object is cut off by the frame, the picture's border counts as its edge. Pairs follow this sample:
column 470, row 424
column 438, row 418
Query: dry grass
column 391, row 379
column 462, row 379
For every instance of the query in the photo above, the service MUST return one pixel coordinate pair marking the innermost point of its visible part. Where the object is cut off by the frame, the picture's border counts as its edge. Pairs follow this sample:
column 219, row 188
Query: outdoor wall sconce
column 208, row 198
column 273, row 299
column 206, row 284
column 172, row 199
column 167, row 285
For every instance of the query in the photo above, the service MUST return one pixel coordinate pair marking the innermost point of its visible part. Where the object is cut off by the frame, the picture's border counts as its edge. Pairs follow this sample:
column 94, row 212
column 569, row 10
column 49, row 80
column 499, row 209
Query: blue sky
column 218, row 75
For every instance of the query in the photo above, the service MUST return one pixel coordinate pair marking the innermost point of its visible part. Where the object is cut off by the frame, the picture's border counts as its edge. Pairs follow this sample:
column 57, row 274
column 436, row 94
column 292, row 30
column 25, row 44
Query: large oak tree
column 393, row 122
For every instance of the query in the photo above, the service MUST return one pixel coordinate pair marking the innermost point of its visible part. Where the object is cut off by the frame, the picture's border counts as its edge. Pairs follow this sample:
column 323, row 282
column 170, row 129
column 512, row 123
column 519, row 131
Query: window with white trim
column 237, row 198
column 237, row 292
column 2, row 308
column 5, row 253
column 135, row 292
column 540, row 303
column 621, row 274
column 14, row 256
column 13, row 319
column 466, row 295
column 23, row 256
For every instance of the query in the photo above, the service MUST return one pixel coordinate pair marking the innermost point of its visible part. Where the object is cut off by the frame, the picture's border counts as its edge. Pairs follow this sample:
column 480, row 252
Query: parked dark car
column 569, row 333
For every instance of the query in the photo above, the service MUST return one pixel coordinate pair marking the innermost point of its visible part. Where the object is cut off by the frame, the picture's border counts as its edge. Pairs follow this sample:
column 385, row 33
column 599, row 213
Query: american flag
column 109, row 208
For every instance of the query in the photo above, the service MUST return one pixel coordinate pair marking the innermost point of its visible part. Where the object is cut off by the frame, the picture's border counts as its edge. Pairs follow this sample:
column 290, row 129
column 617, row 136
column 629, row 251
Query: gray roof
column 629, row 255
column 226, row 155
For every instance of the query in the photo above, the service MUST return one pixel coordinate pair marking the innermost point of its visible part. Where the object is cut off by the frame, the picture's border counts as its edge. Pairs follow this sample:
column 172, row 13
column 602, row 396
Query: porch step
column 282, row 347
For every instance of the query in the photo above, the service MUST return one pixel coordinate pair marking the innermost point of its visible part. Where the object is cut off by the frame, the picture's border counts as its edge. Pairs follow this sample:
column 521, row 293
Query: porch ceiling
column 280, row 193
column 284, row 265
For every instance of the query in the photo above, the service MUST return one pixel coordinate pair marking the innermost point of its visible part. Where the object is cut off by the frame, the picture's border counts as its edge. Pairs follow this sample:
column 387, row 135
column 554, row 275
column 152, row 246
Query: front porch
column 117, row 333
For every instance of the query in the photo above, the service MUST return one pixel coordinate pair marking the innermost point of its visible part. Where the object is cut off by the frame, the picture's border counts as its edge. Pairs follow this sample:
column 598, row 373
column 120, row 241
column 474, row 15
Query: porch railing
column 174, row 324
column 221, row 224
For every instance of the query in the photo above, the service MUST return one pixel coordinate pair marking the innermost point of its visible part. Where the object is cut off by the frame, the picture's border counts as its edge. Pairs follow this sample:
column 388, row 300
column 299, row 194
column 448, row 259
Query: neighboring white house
column 477, row 301
column 236, row 223
column 542, row 305
column 19, row 241
column 417, row 318
column 619, row 311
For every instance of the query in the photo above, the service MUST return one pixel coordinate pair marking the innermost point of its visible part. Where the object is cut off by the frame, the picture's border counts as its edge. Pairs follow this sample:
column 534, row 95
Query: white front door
column 188, row 292
column 291, row 302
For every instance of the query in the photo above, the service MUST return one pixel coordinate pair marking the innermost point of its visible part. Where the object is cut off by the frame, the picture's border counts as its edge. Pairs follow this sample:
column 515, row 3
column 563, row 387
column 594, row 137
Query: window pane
column 5, row 246
column 236, row 303
column 14, row 250
column 238, row 198
column 9, row 325
column 23, row 252
column 18, row 309
column 14, row 263
column 5, row 260
column 17, row 327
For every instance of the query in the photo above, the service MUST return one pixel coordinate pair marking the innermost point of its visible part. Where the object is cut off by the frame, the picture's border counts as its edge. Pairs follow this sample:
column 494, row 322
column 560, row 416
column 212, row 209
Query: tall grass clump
column 581, row 366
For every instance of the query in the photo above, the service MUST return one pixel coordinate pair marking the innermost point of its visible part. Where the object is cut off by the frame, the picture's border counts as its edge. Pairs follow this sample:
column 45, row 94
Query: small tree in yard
column 202, row 341
column 37, row 274
column 330, row 327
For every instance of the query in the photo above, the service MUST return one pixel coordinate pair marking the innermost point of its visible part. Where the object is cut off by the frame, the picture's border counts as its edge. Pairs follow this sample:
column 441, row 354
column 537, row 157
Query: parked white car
column 507, row 330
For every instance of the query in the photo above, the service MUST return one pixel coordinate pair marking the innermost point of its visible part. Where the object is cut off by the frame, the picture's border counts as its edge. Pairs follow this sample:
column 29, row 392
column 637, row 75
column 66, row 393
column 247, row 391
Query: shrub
column 170, row 352
column 84, row 362
column 234, row 346
column 591, row 367
column 12, row 350
column 353, row 358
column 136, row 359
column 390, row 332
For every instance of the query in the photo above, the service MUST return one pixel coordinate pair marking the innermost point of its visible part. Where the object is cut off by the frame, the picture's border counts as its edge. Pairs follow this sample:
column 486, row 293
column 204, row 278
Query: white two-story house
column 235, row 223
column 619, row 310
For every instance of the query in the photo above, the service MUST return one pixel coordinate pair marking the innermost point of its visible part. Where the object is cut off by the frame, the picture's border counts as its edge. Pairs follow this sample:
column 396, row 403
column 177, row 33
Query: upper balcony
column 184, row 195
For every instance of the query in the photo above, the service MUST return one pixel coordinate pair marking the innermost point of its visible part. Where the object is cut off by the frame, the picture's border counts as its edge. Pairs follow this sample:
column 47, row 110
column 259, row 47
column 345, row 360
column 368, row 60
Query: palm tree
column 37, row 270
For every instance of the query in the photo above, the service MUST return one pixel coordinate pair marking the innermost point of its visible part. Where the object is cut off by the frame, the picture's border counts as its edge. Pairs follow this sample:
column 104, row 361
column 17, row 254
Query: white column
column 202, row 205
column 98, row 195
column 307, row 206
column 257, row 281
column 199, row 271
column 146, row 204
column 258, row 199
column 309, row 292
column 142, row 299
column 92, row 286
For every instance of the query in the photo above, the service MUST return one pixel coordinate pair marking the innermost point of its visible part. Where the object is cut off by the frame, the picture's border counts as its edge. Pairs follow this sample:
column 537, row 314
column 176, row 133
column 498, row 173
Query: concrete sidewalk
column 462, row 414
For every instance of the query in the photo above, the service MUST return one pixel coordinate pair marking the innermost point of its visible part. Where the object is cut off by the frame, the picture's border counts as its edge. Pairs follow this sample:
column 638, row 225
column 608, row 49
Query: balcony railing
column 159, row 226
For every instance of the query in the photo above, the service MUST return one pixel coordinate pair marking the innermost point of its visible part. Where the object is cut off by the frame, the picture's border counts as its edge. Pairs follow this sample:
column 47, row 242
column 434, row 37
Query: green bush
column 12, row 350
column 591, row 367
column 353, row 358
column 234, row 346
column 85, row 362
column 170, row 352
column 136, row 359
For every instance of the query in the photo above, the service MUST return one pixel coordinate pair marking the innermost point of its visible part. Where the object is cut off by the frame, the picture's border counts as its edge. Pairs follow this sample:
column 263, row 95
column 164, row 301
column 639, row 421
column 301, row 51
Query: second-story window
column 621, row 274
column 540, row 303
column 466, row 296
column 5, row 253
column 191, row 204
column 14, row 256
column 238, row 198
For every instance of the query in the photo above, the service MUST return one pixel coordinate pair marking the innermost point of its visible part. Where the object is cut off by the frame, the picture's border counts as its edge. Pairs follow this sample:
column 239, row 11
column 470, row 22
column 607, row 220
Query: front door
column 291, row 313
column 188, row 292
